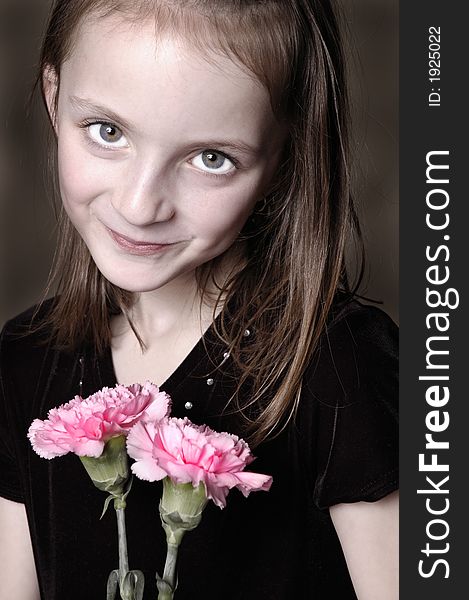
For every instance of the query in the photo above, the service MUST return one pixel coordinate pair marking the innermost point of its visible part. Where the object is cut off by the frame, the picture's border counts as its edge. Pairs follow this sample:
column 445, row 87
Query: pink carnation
column 189, row 453
column 83, row 426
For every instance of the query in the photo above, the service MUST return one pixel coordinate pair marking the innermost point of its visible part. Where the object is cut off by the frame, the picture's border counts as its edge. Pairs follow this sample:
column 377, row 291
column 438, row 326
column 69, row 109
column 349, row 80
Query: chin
column 131, row 284
column 137, row 279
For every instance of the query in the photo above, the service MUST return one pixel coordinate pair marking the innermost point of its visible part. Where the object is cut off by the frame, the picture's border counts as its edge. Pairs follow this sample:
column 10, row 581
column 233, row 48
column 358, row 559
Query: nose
column 143, row 196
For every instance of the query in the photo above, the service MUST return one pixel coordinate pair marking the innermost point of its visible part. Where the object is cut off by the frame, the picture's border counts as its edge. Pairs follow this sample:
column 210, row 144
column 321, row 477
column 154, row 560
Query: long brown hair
column 295, row 242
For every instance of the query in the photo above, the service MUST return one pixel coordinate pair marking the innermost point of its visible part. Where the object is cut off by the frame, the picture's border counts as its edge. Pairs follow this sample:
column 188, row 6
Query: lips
column 135, row 247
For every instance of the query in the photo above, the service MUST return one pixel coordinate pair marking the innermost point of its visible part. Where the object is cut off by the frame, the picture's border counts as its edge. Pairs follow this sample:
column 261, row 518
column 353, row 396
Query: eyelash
column 221, row 175
column 86, row 124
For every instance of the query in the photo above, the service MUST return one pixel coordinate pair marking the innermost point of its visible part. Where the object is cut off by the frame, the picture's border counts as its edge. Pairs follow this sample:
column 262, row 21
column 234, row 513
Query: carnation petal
column 159, row 408
column 47, row 449
column 182, row 473
column 215, row 492
column 86, row 447
column 140, row 441
column 228, row 462
column 253, row 482
column 148, row 470
column 169, row 436
column 223, row 442
column 228, row 480
column 45, row 441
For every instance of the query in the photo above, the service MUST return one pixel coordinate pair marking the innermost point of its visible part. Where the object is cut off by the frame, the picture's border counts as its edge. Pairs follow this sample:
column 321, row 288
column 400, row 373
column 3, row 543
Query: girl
column 203, row 172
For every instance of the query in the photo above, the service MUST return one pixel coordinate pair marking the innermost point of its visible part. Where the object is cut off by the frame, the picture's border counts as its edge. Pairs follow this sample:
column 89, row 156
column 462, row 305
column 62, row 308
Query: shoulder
column 368, row 324
column 35, row 374
column 30, row 318
column 356, row 353
column 348, row 414
column 28, row 329
column 25, row 343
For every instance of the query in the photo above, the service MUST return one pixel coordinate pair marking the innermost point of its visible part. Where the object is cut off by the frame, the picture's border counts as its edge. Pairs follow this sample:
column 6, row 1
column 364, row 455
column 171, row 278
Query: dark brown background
column 26, row 220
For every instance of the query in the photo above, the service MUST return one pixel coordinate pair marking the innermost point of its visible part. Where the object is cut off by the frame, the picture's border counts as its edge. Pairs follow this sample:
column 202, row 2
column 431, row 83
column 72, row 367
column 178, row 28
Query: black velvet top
column 281, row 544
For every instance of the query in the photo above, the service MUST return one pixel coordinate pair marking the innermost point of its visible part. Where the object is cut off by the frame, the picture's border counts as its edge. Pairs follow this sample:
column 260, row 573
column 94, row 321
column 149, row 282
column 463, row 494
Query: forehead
column 126, row 65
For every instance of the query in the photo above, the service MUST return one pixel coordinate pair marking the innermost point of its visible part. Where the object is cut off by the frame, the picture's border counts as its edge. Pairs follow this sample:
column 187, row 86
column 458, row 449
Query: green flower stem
column 181, row 507
column 110, row 473
column 169, row 574
column 130, row 583
column 123, row 556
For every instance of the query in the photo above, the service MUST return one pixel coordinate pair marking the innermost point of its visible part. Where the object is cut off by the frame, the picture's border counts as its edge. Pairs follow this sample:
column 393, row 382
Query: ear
column 50, row 88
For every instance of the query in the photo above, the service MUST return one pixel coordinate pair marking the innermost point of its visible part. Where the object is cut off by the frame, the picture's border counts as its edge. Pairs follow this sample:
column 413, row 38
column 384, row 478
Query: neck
column 168, row 311
column 175, row 307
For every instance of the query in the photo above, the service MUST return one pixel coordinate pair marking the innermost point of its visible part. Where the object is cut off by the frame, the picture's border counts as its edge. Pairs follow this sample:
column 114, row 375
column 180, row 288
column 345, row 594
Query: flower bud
column 110, row 471
column 181, row 507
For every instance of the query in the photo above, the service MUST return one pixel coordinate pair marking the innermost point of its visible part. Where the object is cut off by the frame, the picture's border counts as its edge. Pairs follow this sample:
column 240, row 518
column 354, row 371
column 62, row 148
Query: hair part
column 284, row 285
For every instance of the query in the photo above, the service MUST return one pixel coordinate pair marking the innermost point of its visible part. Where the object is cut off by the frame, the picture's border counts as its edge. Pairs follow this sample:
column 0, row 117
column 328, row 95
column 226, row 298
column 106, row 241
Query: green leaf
column 132, row 585
column 166, row 592
column 106, row 505
column 112, row 582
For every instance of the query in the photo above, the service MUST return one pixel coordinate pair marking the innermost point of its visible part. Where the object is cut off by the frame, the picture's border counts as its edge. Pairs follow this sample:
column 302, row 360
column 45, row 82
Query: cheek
column 224, row 215
column 229, row 209
column 80, row 179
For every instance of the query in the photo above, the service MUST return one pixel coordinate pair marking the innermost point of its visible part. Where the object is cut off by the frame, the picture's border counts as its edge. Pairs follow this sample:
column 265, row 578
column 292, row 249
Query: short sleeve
column 10, row 484
column 354, row 385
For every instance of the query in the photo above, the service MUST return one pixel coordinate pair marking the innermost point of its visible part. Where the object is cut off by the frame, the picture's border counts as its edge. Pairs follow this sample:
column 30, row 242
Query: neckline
column 188, row 365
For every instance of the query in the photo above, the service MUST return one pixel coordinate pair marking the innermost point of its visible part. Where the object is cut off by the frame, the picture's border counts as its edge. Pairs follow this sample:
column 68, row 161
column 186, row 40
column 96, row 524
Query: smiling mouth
column 134, row 247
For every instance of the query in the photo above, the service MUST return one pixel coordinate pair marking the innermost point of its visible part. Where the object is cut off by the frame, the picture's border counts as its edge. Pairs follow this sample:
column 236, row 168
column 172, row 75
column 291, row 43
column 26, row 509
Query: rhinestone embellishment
column 210, row 381
column 81, row 361
column 247, row 333
column 188, row 405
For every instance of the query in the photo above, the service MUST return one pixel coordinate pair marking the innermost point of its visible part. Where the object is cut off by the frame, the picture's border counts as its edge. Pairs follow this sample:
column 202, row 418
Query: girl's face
column 162, row 153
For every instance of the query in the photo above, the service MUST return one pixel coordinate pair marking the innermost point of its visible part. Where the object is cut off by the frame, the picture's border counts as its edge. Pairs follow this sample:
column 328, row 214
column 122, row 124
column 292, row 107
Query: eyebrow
column 87, row 106
column 230, row 145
